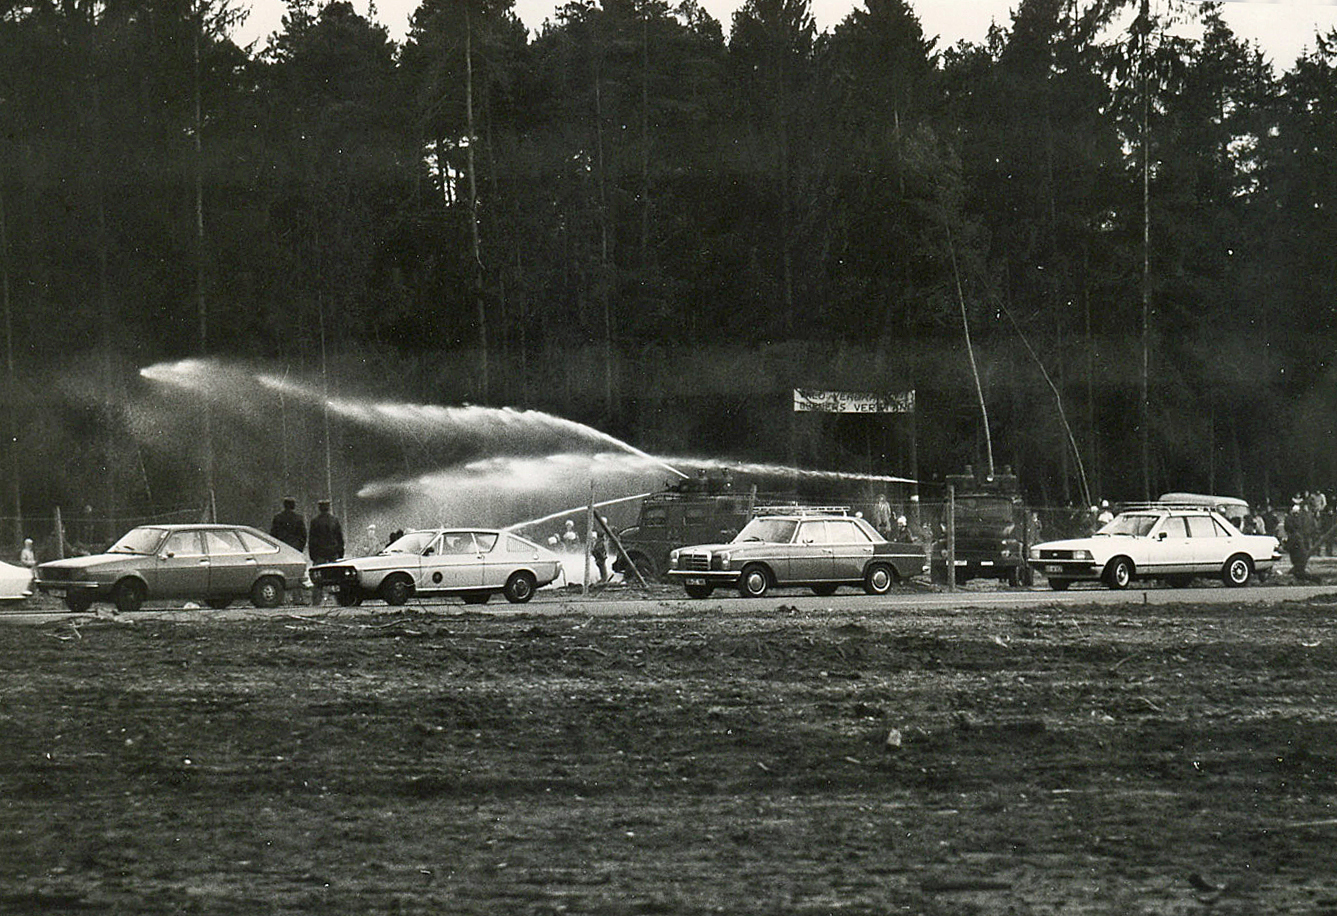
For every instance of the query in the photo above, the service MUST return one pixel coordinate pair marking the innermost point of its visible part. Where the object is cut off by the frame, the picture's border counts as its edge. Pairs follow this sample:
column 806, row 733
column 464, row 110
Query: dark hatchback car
column 821, row 552
column 216, row 564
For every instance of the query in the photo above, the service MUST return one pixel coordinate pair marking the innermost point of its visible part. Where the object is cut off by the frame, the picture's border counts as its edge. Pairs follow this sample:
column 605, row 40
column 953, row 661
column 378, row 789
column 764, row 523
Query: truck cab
column 994, row 530
column 705, row 509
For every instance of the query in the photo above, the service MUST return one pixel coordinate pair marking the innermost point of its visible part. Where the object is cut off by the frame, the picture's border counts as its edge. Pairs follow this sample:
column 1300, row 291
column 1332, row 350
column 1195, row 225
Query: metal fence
column 66, row 533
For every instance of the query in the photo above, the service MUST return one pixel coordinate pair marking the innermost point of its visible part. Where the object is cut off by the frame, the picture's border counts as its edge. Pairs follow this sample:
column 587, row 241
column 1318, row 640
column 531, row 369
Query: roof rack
column 1157, row 504
column 794, row 509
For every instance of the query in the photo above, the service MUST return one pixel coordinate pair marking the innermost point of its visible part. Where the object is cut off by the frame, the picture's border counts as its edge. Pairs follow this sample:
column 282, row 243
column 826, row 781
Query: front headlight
column 1082, row 555
column 720, row 560
column 673, row 559
column 1035, row 553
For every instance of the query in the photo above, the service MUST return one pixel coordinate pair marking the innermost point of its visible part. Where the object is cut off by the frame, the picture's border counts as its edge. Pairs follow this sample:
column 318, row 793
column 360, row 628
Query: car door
column 1209, row 543
column 232, row 567
column 850, row 549
column 1169, row 549
column 810, row 557
column 181, row 568
column 450, row 563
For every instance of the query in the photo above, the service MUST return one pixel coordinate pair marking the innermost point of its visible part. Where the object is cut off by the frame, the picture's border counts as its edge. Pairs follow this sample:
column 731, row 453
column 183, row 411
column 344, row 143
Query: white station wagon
column 1170, row 542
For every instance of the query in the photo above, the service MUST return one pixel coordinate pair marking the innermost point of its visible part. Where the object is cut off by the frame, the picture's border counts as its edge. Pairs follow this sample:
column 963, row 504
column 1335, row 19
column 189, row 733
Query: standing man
column 326, row 542
column 290, row 528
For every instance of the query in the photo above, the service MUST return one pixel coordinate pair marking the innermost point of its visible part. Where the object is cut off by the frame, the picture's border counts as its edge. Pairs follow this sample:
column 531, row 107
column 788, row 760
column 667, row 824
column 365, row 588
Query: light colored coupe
column 473, row 564
column 1170, row 542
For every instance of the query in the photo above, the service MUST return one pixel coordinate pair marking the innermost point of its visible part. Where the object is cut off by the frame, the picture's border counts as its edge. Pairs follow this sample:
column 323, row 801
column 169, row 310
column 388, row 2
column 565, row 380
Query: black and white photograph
column 626, row 457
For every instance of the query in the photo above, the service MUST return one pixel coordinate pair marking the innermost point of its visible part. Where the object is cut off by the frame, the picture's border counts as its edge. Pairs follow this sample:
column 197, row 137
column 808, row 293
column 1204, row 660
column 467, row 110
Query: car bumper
column 63, row 587
column 712, row 577
column 1067, row 569
column 333, row 576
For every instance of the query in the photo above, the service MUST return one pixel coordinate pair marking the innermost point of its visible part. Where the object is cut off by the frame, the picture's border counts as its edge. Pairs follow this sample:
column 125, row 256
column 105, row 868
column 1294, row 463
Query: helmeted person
column 569, row 536
column 28, row 556
column 325, row 540
column 289, row 526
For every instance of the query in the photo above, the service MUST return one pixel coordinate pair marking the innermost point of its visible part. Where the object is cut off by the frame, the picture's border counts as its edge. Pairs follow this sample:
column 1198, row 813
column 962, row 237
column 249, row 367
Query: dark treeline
column 643, row 220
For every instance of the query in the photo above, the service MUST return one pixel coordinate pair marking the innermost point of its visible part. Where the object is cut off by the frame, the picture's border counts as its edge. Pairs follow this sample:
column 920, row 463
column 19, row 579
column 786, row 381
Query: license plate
column 958, row 562
column 1050, row 569
column 696, row 581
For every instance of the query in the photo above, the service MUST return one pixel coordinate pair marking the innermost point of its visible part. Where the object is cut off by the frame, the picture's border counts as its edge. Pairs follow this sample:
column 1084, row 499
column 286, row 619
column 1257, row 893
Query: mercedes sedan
column 817, row 551
column 216, row 564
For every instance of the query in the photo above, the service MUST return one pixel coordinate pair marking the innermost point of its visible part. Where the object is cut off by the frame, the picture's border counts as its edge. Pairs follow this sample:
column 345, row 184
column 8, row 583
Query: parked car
column 820, row 551
column 216, row 564
column 1168, row 541
column 473, row 563
column 15, row 582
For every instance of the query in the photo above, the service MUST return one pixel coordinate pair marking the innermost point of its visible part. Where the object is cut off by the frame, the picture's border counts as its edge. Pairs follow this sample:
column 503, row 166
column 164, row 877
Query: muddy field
column 712, row 757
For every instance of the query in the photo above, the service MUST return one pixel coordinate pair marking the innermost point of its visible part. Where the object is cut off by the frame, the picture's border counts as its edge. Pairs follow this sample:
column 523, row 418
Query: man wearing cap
column 326, row 541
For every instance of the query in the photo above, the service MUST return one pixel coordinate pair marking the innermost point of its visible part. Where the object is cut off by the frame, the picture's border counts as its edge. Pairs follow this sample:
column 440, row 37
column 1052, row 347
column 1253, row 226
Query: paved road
column 662, row 600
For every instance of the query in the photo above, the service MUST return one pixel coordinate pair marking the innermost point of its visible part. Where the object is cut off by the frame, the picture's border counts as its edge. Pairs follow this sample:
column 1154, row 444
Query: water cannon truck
column 994, row 530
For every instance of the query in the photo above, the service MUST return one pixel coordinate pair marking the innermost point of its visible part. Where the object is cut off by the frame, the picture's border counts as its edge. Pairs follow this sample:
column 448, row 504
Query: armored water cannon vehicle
column 708, row 508
column 994, row 530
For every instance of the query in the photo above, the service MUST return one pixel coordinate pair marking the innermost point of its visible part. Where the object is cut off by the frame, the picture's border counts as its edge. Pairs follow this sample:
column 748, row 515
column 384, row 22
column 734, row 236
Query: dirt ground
column 712, row 757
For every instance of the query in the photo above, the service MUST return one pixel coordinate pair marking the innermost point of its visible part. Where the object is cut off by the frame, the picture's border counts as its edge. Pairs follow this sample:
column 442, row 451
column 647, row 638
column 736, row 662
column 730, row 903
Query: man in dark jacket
column 326, row 541
column 288, row 526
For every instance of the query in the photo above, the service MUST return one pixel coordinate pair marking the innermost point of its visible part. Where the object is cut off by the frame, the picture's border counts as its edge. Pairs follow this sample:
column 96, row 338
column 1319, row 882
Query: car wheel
column 78, row 601
column 218, row 603
column 699, row 591
column 347, row 596
column 1119, row 574
column 1059, row 585
column 879, row 579
column 520, row 587
column 754, row 581
column 128, row 595
column 1237, row 572
column 396, row 590
column 476, row 597
column 267, row 592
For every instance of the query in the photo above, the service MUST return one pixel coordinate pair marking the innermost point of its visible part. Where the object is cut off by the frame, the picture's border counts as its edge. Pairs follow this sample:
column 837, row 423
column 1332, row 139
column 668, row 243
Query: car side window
column 485, row 541
column 515, row 545
column 1201, row 526
column 457, row 542
column 813, row 532
column 223, row 543
column 1174, row 527
column 253, row 544
column 656, row 518
column 845, row 532
column 183, row 544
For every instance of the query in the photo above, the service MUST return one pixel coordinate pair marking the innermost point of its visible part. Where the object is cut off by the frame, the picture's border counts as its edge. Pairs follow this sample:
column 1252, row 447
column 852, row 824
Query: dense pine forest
column 658, row 224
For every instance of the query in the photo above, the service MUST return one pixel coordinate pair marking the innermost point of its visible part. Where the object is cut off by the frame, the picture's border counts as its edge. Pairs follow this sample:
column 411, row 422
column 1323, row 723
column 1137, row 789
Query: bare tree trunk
column 1144, row 406
column 11, row 378
column 475, row 245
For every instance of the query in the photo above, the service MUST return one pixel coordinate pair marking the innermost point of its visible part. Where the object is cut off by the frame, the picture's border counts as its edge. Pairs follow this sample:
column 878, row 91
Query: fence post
column 951, row 537
column 60, row 536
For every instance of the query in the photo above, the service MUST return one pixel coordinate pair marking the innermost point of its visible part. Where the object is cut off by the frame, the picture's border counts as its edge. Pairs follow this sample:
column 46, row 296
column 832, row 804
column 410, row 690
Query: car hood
column 98, row 561
column 380, row 561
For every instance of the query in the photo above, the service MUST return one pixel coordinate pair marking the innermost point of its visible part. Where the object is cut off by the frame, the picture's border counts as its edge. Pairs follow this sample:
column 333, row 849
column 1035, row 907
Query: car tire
column 347, row 596
column 699, row 591
column 754, row 581
column 267, row 592
column 520, row 587
column 396, row 590
column 1059, row 585
column 476, row 597
column 218, row 604
column 824, row 589
column 646, row 567
column 1238, row 571
column 78, row 601
column 1119, row 573
column 879, row 579
column 128, row 596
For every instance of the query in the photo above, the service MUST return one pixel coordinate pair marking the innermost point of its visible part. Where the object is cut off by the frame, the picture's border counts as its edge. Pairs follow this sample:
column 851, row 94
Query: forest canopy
column 658, row 224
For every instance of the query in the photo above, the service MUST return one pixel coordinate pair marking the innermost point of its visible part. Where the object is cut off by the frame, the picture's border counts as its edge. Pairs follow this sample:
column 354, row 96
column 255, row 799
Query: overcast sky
column 1283, row 28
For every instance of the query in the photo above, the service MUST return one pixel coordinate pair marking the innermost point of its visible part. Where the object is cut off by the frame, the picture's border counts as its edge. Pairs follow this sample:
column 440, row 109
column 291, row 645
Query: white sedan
column 15, row 582
column 473, row 564
column 1169, row 542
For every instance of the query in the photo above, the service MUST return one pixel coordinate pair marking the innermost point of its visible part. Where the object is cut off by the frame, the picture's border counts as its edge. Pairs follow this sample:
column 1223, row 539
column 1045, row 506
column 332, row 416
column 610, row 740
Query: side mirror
column 1162, row 535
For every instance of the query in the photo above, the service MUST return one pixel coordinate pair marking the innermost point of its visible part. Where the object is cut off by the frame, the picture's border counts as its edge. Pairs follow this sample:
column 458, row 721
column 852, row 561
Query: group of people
column 569, row 540
column 323, row 538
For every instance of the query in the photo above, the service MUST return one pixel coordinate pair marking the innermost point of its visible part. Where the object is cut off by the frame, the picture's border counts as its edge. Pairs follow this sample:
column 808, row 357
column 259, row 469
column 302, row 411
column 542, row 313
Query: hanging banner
column 808, row 399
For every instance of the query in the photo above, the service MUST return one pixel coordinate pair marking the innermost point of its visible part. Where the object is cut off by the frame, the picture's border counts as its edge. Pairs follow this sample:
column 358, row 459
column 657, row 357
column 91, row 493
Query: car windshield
column 771, row 530
column 1131, row 523
column 138, row 540
column 415, row 542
